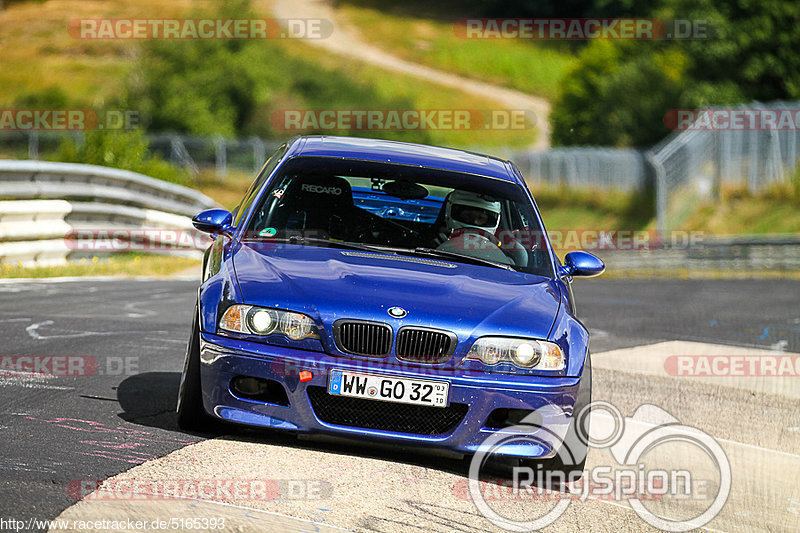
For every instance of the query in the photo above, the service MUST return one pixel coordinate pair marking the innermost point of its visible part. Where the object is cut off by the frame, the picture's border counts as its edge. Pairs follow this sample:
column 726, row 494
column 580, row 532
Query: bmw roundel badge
column 397, row 312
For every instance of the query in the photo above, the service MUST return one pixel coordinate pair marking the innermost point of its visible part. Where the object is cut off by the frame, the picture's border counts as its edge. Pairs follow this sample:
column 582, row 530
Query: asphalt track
column 56, row 431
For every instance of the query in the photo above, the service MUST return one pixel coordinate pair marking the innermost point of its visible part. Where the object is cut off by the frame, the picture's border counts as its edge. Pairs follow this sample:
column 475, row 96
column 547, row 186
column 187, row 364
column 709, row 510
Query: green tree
column 620, row 91
column 616, row 97
column 199, row 87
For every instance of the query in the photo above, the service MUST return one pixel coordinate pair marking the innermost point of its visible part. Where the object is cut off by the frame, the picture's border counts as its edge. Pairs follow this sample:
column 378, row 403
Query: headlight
column 297, row 326
column 262, row 321
column 523, row 353
column 253, row 320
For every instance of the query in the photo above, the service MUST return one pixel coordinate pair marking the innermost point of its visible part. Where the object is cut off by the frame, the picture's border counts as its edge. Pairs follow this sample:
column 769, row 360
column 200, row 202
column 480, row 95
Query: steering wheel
column 377, row 227
column 462, row 233
column 271, row 212
column 406, row 231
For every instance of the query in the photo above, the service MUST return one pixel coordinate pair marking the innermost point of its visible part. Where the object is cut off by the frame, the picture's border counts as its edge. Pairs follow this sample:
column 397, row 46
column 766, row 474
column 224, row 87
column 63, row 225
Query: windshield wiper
column 464, row 258
column 333, row 243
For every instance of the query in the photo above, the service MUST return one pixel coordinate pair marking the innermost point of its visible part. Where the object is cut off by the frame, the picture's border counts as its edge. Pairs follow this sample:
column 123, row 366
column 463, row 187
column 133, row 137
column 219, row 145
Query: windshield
column 458, row 217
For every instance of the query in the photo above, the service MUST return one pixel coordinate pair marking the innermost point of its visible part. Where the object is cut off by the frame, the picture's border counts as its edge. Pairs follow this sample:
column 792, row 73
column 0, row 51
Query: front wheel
column 570, row 460
column 191, row 413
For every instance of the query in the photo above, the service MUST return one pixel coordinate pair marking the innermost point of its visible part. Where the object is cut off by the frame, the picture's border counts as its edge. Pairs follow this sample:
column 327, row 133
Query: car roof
column 402, row 153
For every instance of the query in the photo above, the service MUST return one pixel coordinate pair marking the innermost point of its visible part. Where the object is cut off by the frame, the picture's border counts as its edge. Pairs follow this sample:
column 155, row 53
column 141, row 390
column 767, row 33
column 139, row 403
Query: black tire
column 571, row 459
column 191, row 413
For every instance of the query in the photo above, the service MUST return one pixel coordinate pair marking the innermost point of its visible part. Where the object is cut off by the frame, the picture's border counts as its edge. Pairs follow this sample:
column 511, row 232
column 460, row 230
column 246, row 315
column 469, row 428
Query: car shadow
column 148, row 399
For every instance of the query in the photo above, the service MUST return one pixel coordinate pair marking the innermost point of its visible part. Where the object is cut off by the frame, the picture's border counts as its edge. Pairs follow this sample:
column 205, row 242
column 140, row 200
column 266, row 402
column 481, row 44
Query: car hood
column 332, row 283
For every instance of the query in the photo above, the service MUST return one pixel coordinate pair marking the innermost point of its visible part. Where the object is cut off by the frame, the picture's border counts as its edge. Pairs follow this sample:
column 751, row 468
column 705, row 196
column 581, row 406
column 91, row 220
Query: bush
column 127, row 150
column 620, row 91
column 617, row 97
column 52, row 97
column 231, row 88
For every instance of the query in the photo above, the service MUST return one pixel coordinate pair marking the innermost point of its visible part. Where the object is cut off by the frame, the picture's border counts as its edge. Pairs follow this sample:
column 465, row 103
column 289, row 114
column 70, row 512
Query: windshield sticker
column 267, row 232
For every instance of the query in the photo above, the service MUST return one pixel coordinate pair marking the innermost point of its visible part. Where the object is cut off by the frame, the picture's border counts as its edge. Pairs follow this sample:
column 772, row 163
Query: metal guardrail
column 42, row 179
column 777, row 253
column 43, row 203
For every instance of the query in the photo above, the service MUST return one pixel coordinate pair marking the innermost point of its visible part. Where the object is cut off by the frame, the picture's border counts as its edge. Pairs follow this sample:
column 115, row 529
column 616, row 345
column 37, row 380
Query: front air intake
column 360, row 337
column 424, row 345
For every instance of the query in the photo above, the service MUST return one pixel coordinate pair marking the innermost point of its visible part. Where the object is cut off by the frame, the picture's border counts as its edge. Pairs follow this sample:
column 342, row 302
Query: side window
column 252, row 192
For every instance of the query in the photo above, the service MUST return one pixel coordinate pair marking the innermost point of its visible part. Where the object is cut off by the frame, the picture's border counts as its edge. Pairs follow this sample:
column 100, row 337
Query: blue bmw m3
column 387, row 291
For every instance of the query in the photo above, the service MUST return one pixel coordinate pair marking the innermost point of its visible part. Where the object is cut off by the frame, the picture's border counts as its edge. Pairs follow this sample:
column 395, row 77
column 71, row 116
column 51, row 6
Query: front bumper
column 224, row 358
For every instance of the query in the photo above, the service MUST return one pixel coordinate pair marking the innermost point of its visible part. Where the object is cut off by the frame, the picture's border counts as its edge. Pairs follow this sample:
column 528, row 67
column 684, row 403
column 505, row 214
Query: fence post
column 221, row 156
column 174, row 150
column 791, row 151
column 179, row 155
column 753, row 163
column 722, row 160
column 259, row 153
column 80, row 139
column 774, row 159
column 661, row 193
column 33, row 145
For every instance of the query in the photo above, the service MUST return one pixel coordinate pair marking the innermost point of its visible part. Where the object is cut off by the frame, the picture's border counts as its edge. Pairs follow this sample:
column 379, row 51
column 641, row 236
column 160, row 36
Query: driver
column 465, row 210
column 471, row 210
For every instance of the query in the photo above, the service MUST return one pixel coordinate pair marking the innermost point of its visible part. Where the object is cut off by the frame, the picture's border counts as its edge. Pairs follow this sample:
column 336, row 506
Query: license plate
column 388, row 389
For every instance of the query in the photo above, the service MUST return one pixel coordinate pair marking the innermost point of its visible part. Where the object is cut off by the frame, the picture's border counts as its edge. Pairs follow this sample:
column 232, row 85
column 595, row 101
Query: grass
column 38, row 55
column 622, row 273
column 569, row 209
column 229, row 191
column 737, row 211
column 740, row 212
column 423, row 33
column 405, row 92
column 119, row 265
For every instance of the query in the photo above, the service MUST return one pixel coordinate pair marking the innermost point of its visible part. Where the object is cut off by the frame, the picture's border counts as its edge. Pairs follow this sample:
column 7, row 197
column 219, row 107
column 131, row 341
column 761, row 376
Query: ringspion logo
column 690, row 465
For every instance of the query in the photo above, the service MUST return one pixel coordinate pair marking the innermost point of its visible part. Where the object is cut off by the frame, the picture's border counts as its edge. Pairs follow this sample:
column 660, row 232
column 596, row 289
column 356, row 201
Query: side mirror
column 214, row 221
column 582, row 264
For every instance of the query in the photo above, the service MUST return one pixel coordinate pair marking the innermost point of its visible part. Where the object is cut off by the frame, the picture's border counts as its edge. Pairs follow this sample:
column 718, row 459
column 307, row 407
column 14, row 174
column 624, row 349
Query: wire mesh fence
column 685, row 168
column 216, row 154
column 585, row 167
column 714, row 151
